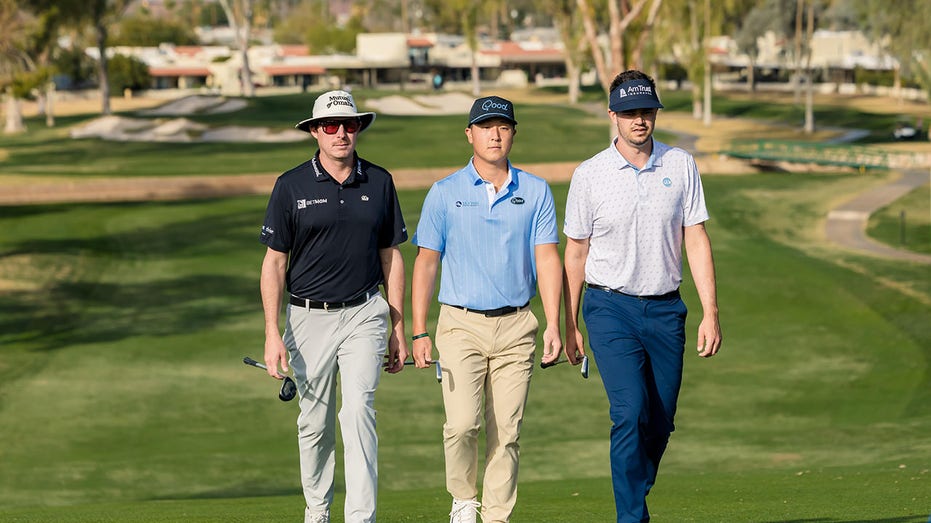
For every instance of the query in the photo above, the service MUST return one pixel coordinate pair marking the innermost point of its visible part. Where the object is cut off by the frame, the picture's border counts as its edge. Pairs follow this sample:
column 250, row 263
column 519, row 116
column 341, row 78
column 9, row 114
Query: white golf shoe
column 464, row 511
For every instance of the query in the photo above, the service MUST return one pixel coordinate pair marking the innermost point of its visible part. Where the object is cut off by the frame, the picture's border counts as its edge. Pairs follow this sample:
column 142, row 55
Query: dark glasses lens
column 332, row 127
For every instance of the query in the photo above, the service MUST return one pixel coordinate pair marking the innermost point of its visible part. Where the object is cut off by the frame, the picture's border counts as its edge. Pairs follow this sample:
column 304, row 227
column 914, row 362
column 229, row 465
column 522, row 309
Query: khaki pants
column 488, row 363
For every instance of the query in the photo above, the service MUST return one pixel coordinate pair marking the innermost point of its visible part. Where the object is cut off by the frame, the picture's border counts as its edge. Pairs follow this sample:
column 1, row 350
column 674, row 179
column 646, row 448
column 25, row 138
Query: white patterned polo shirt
column 634, row 219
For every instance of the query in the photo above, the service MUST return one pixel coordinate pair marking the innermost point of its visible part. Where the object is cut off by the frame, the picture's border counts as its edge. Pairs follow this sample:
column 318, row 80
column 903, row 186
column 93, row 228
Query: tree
column 127, row 72
column 13, row 30
column 686, row 30
column 240, row 15
column 141, row 31
column 754, row 25
column 682, row 34
column 906, row 29
column 103, row 14
column 464, row 15
column 569, row 24
column 29, row 32
column 629, row 28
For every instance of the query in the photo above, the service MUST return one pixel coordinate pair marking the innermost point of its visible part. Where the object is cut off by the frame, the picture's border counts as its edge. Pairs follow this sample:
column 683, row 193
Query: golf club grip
column 249, row 361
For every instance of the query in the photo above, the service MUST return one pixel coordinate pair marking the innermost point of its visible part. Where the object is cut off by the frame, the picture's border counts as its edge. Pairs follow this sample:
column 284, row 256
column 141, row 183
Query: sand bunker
column 181, row 130
column 435, row 104
column 196, row 104
column 178, row 130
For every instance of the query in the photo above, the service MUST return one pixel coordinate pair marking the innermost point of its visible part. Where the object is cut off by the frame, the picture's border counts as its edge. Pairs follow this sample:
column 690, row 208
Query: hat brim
column 630, row 105
column 490, row 116
column 365, row 118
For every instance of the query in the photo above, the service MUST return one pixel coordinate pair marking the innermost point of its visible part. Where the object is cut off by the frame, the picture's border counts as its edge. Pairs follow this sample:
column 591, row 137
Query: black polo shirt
column 333, row 231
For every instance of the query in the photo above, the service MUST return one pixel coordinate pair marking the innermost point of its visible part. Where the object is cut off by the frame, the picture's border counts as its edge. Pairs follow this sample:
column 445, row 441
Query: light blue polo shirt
column 487, row 251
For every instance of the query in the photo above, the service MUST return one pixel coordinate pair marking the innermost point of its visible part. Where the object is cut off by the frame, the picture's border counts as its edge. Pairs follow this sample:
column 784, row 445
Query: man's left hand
column 709, row 336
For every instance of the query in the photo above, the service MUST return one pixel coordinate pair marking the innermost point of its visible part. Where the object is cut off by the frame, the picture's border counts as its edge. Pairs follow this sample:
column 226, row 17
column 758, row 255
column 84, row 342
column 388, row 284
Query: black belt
column 493, row 313
column 314, row 304
column 668, row 296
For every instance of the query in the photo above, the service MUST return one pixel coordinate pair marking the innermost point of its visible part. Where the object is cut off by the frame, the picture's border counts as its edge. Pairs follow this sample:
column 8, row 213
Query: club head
column 288, row 389
column 585, row 367
column 439, row 372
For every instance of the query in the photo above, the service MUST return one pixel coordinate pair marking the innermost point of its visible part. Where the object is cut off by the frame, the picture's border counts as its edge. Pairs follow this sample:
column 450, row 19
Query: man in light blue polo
column 492, row 227
column 629, row 210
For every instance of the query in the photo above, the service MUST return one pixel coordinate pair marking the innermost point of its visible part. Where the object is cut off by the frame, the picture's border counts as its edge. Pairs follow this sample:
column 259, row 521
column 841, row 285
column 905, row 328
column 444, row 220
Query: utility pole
column 706, row 119
column 810, row 87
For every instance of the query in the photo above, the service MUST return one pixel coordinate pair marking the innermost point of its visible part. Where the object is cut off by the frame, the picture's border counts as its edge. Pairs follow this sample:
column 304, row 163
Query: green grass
column 546, row 134
column 886, row 224
column 123, row 397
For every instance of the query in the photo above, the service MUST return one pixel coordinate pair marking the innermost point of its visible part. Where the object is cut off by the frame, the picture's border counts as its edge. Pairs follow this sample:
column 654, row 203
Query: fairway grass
column 123, row 396
column 825, row 496
column 906, row 223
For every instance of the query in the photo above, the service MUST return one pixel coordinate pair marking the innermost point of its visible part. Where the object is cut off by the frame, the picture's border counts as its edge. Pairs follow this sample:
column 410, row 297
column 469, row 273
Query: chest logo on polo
column 365, row 198
column 667, row 182
column 460, row 203
column 517, row 200
column 303, row 204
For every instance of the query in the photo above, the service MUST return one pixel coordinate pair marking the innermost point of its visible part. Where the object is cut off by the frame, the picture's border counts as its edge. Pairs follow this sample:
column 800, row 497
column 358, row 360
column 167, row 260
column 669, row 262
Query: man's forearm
column 423, row 282
column 576, row 254
column 393, row 273
column 549, row 280
column 701, row 264
column 272, row 288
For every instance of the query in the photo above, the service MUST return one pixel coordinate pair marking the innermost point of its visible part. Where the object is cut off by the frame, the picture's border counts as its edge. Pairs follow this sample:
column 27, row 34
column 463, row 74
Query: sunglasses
column 332, row 126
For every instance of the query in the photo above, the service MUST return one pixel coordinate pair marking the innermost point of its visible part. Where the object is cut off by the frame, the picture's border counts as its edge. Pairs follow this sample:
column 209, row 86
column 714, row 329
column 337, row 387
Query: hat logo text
column 491, row 104
column 340, row 100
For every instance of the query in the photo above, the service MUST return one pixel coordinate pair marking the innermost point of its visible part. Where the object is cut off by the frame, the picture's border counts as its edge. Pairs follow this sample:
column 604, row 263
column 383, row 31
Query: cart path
column 846, row 224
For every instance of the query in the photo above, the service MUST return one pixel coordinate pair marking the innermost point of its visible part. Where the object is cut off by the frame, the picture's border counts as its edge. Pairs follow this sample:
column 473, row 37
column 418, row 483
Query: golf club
column 559, row 362
column 439, row 369
column 288, row 388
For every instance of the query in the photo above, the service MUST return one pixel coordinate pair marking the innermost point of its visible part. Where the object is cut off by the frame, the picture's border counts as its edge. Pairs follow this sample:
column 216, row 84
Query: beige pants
column 487, row 362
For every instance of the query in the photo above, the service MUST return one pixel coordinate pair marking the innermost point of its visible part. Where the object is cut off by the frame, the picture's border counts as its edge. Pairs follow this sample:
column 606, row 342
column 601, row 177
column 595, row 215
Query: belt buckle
column 326, row 306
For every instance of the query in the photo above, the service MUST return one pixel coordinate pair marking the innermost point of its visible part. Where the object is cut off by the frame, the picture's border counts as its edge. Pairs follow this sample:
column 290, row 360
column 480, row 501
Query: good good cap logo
column 491, row 104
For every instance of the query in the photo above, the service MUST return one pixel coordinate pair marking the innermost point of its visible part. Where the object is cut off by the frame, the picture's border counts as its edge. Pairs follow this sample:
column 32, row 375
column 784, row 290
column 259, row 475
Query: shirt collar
column 321, row 174
column 655, row 160
column 478, row 180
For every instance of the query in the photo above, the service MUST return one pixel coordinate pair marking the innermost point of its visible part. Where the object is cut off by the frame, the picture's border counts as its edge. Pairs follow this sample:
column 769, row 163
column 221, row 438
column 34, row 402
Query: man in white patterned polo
column 629, row 210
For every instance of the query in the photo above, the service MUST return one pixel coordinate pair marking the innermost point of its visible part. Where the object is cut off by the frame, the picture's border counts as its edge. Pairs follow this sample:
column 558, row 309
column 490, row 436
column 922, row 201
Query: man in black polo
column 332, row 228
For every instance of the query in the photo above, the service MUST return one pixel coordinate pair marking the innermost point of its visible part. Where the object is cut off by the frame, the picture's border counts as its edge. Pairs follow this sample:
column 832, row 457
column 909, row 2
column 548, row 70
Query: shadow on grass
column 244, row 490
column 140, row 295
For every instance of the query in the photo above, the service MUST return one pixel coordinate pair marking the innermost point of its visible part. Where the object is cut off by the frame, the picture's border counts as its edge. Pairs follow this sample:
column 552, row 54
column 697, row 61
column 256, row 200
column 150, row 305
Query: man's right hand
column 276, row 354
column 423, row 352
column 575, row 346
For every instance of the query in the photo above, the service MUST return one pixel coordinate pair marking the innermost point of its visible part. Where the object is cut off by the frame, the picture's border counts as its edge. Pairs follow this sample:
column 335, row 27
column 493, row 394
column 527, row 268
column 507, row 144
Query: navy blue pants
column 638, row 344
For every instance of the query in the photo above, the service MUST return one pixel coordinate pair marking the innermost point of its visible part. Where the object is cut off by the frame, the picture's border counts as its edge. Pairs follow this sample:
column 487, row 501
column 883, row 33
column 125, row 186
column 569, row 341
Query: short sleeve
column 545, row 228
column 393, row 231
column 277, row 232
column 693, row 205
column 431, row 230
column 578, row 223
